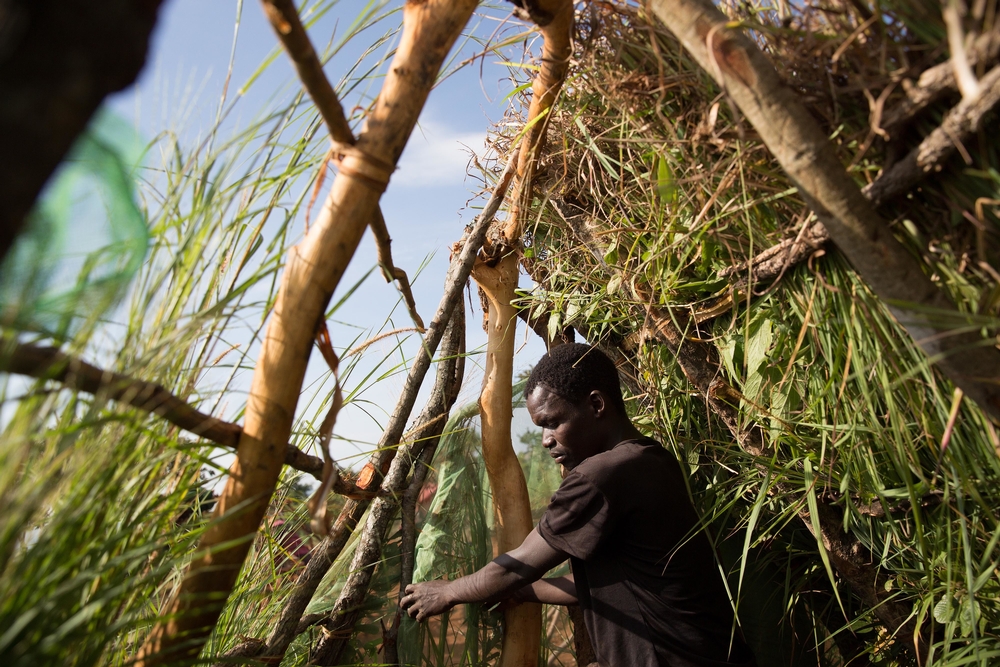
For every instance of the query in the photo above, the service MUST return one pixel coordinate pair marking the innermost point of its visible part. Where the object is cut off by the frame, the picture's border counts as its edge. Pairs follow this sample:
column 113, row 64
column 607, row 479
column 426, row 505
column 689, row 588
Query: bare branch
column 935, row 82
column 48, row 363
column 328, row 551
column 285, row 20
column 347, row 609
column 311, row 274
column 390, row 271
column 286, row 23
column 964, row 77
column 958, row 126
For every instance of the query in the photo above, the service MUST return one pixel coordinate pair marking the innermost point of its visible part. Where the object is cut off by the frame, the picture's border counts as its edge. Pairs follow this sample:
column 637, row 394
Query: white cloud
column 436, row 155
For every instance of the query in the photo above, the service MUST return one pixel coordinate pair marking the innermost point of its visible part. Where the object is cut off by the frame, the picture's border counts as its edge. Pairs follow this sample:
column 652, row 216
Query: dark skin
column 572, row 433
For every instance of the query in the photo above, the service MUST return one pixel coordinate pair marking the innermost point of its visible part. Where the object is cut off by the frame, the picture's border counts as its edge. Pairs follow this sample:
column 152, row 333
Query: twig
column 347, row 609
column 48, row 363
column 286, row 23
column 383, row 246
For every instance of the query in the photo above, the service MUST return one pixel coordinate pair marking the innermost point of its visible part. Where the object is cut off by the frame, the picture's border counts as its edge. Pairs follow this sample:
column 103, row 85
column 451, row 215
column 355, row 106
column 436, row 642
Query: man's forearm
column 497, row 581
column 554, row 590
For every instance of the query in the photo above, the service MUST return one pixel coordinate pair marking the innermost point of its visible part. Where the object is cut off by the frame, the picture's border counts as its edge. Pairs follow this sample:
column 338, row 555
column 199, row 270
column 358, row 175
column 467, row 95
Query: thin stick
column 286, row 23
column 383, row 246
column 959, row 125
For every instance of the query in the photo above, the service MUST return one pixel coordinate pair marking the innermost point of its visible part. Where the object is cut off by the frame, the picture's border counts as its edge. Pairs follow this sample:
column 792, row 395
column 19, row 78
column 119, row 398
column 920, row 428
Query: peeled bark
column 555, row 21
column 807, row 156
column 313, row 270
column 523, row 623
column 497, row 276
column 288, row 26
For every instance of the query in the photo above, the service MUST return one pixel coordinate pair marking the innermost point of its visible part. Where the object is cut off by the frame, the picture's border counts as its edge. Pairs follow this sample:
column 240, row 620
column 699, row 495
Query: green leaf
column 614, row 283
column 942, row 610
column 969, row 615
column 758, row 345
column 666, row 187
column 817, row 529
column 554, row 320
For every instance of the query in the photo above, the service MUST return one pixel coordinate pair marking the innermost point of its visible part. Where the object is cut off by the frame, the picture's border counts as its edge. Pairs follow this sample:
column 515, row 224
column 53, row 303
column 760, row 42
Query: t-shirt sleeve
column 578, row 518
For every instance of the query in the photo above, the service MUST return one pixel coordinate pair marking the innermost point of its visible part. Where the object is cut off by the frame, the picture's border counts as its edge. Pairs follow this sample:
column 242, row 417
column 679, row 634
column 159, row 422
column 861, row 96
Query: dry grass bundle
column 651, row 204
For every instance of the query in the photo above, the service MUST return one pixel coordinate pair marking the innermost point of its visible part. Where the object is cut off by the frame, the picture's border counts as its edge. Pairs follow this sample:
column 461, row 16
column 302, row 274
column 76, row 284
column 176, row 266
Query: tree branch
column 286, row 23
column 329, row 550
column 346, row 611
column 958, row 126
column 48, row 363
column 935, row 82
column 310, row 276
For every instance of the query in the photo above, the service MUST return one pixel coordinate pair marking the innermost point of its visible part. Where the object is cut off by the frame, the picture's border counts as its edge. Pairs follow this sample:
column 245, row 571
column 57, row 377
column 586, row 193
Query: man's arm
column 498, row 580
column 553, row 590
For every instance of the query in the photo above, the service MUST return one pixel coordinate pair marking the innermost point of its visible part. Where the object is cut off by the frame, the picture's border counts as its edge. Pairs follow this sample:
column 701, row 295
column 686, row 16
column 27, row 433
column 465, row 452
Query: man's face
column 571, row 433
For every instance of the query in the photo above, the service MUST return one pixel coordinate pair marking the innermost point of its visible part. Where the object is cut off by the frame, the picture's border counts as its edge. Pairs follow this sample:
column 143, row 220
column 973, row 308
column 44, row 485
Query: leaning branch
column 48, row 363
column 959, row 125
column 936, row 82
column 285, row 20
column 808, row 157
column 432, row 420
column 287, row 627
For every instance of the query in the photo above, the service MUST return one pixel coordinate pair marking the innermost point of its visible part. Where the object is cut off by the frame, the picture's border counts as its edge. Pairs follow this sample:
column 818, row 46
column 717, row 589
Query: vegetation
column 846, row 480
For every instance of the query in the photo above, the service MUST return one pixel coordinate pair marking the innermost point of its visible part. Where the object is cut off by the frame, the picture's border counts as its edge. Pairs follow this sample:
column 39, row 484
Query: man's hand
column 427, row 599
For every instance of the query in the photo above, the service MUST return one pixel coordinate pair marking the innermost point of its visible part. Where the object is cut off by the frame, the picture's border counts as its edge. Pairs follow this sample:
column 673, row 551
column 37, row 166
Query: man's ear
column 598, row 403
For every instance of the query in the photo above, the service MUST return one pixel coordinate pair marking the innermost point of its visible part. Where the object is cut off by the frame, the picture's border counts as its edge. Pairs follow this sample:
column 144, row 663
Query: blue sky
column 425, row 205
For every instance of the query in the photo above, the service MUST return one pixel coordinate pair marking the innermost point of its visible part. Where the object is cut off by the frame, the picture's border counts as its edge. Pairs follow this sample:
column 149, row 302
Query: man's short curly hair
column 573, row 370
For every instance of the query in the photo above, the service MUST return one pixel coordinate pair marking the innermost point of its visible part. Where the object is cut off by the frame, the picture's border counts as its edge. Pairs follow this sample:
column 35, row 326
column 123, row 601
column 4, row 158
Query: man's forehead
column 545, row 397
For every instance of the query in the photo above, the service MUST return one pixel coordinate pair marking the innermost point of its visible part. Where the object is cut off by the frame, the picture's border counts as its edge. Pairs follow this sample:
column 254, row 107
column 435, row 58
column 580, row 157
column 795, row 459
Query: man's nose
column 548, row 439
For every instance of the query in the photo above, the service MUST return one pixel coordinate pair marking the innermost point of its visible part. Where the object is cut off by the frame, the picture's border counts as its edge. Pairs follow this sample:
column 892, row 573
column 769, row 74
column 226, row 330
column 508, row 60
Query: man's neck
column 626, row 431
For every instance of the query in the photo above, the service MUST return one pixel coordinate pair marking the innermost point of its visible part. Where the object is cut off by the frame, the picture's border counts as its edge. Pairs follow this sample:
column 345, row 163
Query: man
column 644, row 574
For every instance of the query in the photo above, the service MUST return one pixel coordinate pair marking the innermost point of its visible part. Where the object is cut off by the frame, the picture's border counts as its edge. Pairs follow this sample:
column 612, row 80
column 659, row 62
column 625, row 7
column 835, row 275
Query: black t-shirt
column 646, row 577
